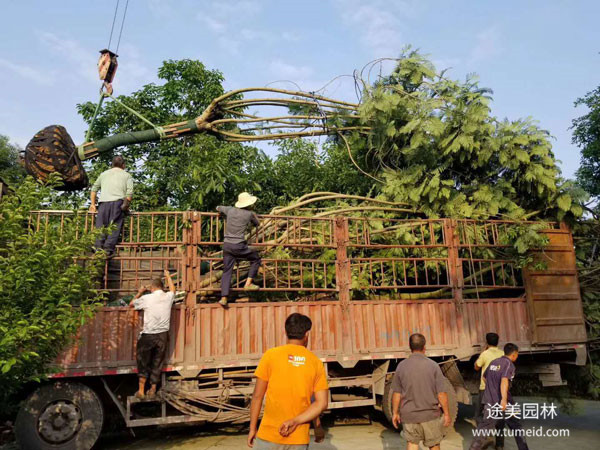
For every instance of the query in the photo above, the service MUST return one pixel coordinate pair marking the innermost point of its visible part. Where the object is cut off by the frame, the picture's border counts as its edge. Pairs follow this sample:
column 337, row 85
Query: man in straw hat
column 235, row 247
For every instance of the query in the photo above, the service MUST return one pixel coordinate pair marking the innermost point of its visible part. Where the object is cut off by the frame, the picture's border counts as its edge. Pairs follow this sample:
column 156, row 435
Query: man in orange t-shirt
column 291, row 376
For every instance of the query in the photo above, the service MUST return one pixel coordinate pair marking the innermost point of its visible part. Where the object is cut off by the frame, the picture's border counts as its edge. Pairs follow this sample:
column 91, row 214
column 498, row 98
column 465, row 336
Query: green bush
column 47, row 289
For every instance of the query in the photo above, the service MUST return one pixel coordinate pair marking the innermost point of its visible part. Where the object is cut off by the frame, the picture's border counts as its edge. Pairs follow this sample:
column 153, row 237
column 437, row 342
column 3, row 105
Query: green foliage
column 440, row 149
column 302, row 166
column 11, row 171
column 46, row 294
column 586, row 134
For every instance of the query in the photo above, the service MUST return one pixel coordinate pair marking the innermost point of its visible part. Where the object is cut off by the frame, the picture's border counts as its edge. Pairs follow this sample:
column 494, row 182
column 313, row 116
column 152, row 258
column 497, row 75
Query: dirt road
column 583, row 428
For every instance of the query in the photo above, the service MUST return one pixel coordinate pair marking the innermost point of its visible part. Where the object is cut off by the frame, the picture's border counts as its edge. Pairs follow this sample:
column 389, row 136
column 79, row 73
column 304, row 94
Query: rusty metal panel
column 553, row 295
column 506, row 316
column 387, row 325
column 248, row 330
column 110, row 338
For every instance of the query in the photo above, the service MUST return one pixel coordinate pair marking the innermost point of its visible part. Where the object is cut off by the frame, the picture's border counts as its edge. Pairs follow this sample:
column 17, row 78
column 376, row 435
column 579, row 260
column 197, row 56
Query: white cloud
column 378, row 23
column 282, row 70
column 72, row 55
column 161, row 8
column 487, row 46
column 228, row 19
column 43, row 78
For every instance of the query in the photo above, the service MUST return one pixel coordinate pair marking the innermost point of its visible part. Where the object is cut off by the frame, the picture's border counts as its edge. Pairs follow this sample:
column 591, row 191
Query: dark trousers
column 151, row 353
column 109, row 213
column 487, row 423
column 478, row 405
column 233, row 253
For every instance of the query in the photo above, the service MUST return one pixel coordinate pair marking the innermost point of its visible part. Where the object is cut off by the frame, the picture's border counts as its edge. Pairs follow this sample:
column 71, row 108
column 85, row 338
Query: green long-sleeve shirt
column 114, row 184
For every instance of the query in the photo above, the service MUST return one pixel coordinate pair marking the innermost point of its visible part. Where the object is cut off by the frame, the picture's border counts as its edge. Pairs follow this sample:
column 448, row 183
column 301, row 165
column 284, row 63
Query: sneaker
column 139, row 395
column 251, row 287
column 473, row 422
column 223, row 303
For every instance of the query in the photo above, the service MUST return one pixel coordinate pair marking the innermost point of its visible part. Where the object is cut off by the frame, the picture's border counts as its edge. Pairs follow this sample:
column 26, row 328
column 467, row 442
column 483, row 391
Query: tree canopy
column 10, row 169
column 586, row 135
column 201, row 171
column 437, row 146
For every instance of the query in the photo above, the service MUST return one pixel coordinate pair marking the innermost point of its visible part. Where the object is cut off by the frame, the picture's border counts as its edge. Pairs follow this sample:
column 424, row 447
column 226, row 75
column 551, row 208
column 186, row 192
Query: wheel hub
column 59, row 421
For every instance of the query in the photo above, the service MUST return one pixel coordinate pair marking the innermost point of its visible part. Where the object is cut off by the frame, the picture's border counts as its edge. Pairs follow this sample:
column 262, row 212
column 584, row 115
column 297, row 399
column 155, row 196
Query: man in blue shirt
column 496, row 398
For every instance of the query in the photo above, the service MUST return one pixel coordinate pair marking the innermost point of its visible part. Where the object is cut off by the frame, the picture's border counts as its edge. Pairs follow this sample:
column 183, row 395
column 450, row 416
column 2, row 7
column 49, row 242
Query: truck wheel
column 386, row 403
column 452, row 402
column 60, row 416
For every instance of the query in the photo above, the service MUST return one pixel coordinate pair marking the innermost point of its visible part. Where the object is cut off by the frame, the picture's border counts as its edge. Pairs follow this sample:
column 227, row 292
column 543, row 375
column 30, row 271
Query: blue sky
column 537, row 56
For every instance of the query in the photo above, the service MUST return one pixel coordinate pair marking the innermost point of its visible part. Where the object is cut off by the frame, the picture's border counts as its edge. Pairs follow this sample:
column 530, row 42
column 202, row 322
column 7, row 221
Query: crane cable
column 104, row 94
column 112, row 28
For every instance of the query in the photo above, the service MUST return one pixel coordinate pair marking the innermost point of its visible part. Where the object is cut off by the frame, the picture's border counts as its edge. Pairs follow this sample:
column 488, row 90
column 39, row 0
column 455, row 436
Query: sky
column 537, row 56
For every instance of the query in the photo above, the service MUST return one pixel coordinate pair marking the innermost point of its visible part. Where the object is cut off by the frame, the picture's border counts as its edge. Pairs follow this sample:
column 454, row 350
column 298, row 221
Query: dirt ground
column 361, row 430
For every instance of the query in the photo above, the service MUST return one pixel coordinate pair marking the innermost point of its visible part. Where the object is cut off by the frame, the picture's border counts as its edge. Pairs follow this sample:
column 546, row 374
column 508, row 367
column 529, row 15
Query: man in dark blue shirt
column 496, row 398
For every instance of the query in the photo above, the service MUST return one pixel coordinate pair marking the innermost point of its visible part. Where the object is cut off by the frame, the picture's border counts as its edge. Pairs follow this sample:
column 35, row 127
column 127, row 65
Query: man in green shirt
column 116, row 190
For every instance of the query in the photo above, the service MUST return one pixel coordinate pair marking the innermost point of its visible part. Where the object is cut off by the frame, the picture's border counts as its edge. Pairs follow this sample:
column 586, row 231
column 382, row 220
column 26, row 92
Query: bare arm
column 170, row 281
column 504, row 392
column 443, row 399
column 477, row 367
column 257, row 399
column 310, row 413
column 93, row 202
column 139, row 293
column 319, row 432
column 396, row 399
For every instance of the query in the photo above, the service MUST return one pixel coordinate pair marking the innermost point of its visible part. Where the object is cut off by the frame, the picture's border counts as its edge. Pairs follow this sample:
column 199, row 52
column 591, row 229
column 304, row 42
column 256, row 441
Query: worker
column 152, row 344
column 116, row 191
column 235, row 247
column 490, row 353
column 418, row 392
column 289, row 375
column 496, row 400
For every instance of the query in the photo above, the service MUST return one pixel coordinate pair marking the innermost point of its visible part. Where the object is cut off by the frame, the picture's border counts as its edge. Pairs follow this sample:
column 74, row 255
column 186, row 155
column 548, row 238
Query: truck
column 367, row 283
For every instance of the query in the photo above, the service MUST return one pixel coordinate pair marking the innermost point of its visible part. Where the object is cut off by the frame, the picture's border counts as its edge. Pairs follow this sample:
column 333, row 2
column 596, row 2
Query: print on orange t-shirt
column 293, row 374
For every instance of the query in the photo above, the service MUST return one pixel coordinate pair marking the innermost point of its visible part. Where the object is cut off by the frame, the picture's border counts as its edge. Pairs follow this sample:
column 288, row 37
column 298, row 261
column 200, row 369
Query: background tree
column 586, row 135
column 201, row 171
column 10, row 170
column 45, row 294
column 195, row 172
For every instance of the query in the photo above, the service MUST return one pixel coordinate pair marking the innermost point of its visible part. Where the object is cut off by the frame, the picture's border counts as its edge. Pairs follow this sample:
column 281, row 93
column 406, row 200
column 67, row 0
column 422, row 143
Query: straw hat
column 245, row 199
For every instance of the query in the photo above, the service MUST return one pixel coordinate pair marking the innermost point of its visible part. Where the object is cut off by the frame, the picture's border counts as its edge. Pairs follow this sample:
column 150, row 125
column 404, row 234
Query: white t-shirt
column 157, row 311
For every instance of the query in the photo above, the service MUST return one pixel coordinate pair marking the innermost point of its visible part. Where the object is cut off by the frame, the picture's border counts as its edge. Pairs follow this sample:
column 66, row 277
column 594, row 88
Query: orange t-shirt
column 294, row 374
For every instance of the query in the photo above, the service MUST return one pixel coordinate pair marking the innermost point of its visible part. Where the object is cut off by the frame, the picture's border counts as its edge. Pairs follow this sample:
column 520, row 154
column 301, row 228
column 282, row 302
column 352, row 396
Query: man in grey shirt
column 418, row 387
column 235, row 247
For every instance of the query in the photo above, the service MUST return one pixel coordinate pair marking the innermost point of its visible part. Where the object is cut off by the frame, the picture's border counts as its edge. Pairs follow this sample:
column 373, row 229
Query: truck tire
column 386, row 404
column 60, row 416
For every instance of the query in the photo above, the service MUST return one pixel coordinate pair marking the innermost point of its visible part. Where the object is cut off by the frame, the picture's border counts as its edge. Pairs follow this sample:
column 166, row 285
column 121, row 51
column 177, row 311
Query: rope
column 158, row 129
column 113, row 25
column 98, row 106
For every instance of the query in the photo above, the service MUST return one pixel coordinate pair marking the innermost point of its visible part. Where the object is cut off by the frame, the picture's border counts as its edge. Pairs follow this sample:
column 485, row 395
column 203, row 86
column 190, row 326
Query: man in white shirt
column 152, row 344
